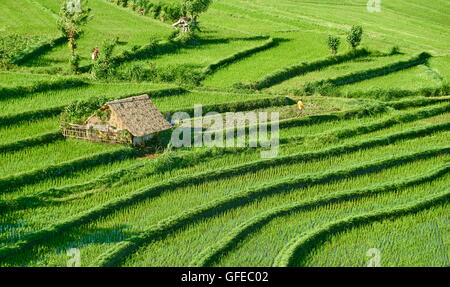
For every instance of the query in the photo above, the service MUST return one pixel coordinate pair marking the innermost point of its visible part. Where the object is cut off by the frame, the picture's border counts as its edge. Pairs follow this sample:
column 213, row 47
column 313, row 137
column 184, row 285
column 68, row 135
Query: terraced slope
column 108, row 21
column 27, row 17
column 366, row 164
column 285, row 180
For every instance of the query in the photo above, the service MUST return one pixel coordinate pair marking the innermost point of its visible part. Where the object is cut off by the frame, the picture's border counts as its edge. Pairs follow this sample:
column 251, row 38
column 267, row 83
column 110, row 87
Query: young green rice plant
column 23, row 130
column 170, row 257
column 389, row 28
column 58, row 98
column 129, row 27
column 293, row 253
column 353, row 130
column 40, row 192
column 339, row 68
column 31, row 141
column 269, row 43
column 289, row 72
column 232, row 239
column 362, row 75
column 395, row 122
column 19, row 128
column 264, row 244
column 34, row 24
column 28, row 165
column 410, row 240
column 40, row 86
column 210, row 49
column 414, row 80
column 395, row 93
column 97, row 241
column 288, row 45
column 15, row 48
column 269, row 174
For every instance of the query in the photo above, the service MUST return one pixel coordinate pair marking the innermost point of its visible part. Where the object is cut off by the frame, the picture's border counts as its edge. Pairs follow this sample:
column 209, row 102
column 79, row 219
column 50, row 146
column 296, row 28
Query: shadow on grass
column 54, row 251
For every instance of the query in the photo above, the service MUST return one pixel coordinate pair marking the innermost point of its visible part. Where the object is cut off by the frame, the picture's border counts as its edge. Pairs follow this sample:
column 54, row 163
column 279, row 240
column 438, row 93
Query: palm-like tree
column 70, row 22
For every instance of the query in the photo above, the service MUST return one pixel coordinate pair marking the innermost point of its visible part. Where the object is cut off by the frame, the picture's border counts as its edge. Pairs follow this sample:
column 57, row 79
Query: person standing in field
column 95, row 54
column 300, row 107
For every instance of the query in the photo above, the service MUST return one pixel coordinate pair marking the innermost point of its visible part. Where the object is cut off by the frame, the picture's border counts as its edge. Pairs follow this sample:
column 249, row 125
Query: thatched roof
column 139, row 115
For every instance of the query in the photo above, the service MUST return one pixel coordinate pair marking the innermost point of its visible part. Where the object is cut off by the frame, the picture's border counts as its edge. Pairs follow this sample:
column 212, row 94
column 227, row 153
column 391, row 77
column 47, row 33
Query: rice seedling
column 365, row 164
column 407, row 241
column 234, row 184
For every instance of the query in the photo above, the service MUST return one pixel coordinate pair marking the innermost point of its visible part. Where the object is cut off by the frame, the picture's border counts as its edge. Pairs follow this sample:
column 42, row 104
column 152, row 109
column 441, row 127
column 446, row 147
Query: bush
column 162, row 10
column 185, row 38
column 333, row 44
column 355, row 36
column 104, row 67
column 184, row 75
column 327, row 89
column 395, row 50
column 78, row 111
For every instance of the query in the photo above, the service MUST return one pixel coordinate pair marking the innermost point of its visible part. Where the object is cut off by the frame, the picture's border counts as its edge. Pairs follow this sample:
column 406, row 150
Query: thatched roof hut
column 138, row 115
column 134, row 120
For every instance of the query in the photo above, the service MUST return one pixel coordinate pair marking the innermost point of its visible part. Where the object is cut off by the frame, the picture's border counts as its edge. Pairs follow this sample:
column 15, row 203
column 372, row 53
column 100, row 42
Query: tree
column 103, row 68
column 355, row 36
column 72, row 17
column 333, row 44
column 193, row 8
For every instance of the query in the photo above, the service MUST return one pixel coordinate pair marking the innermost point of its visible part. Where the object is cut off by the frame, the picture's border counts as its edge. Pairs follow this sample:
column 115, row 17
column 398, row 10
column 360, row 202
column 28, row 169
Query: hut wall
column 93, row 120
column 115, row 121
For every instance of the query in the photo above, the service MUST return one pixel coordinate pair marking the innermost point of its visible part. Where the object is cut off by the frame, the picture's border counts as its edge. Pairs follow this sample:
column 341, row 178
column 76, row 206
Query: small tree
column 355, row 36
column 193, row 8
column 190, row 10
column 71, row 19
column 104, row 67
column 333, row 44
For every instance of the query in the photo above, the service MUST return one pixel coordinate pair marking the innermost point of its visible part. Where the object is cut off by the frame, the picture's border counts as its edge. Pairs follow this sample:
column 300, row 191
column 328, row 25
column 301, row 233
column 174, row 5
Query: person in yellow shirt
column 300, row 107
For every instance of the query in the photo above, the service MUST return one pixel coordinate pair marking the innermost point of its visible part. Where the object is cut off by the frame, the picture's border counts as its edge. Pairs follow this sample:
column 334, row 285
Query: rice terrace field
column 350, row 168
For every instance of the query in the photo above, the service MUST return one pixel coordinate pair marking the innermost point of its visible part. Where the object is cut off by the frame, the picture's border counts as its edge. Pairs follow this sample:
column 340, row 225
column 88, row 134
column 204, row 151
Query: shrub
column 333, row 44
column 78, row 111
column 162, row 10
column 395, row 50
column 354, row 37
column 139, row 72
column 195, row 7
column 103, row 68
column 185, row 38
column 327, row 89
column 185, row 75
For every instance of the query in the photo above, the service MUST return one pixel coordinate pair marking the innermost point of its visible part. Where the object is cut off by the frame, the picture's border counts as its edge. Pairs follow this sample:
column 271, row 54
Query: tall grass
column 86, row 217
column 410, row 240
column 230, row 240
column 295, row 251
